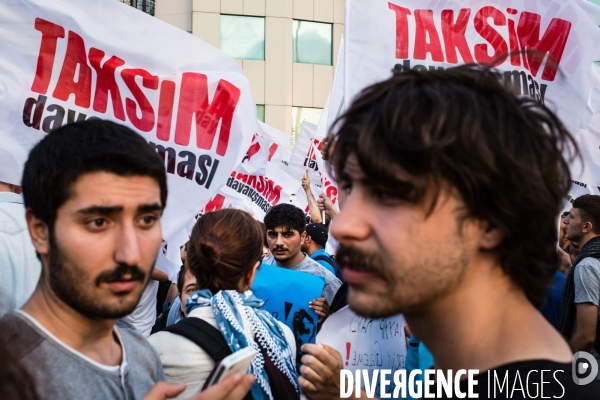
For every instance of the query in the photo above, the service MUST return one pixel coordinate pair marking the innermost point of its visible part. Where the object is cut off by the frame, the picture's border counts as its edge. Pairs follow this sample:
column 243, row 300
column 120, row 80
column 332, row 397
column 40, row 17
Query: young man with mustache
column 94, row 193
column 453, row 185
column 286, row 234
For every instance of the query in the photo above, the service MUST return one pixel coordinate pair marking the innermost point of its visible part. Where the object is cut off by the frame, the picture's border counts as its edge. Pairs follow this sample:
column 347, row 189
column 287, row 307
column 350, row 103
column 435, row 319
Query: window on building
column 300, row 114
column 312, row 42
column 260, row 112
column 146, row 6
column 243, row 37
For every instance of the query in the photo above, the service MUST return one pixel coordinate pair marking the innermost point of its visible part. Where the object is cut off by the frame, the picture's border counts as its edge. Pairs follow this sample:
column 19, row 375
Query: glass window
column 312, row 42
column 260, row 113
column 300, row 114
column 597, row 16
column 243, row 37
column 146, row 6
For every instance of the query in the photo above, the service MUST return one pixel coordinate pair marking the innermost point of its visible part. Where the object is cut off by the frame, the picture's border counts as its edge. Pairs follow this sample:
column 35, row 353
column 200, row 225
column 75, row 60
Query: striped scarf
column 235, row 313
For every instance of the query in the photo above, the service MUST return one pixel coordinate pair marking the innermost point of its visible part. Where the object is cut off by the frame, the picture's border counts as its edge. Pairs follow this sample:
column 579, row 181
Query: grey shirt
column 587, row 289
column 63, row 373
column 310, row 266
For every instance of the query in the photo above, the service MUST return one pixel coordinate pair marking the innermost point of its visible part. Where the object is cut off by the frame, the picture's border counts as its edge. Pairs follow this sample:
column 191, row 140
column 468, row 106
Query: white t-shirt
column 144, row 315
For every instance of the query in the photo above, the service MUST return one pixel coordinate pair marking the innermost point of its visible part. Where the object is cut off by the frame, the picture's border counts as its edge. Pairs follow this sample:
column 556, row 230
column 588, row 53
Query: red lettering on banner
column 491, row 35
column 524, row 37
column 454, row 35
column 75, row 61
column 272, row 193
column 76, row 79
column 426, row 27
column 165, row 110
column 401, row 30
column 264, row 186
column 149, row 81
column 272, row 150
column 260, row 184
column 255, row 148
column 553, row 41
column 43, row 72
column 215, row 204
column 105, row 82
column 513, row 41
column 193, row 101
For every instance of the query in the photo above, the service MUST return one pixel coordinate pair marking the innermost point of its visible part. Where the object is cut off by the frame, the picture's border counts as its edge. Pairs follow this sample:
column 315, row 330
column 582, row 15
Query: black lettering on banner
column 519, row 82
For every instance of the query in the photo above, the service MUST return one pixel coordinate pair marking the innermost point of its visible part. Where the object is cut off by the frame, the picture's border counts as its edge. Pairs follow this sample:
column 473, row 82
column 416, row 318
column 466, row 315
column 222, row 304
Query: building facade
column 287, row 48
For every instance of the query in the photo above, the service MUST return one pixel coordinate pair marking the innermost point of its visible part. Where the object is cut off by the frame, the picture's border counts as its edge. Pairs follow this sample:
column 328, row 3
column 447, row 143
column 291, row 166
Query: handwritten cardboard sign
column 365, row 343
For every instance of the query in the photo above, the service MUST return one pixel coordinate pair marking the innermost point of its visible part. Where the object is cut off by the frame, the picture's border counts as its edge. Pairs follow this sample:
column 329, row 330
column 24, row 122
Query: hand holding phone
column 237, row 362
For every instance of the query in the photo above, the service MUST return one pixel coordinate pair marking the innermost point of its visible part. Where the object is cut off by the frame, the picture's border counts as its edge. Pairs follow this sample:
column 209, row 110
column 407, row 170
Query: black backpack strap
column 328, row 260
column 204, row 335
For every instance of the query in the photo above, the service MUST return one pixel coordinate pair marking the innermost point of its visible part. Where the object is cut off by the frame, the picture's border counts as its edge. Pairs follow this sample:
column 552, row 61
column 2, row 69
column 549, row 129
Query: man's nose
column 279, row 240
column 128, row 249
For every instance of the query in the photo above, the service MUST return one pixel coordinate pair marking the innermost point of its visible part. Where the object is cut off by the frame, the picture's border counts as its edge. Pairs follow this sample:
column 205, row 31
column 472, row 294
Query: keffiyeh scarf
column 235, row 312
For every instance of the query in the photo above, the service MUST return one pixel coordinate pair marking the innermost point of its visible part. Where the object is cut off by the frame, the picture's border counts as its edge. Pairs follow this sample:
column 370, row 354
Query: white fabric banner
column 431, row 34
column 260, row 181
column 306, row 155
column 63, row 61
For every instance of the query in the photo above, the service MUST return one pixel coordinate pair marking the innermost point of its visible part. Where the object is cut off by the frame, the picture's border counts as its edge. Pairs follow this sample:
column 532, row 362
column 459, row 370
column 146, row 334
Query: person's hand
column 234, row 387
column 321, row 307
column 320, row 372
column 325, row 204
column 564, row 261
column 306, row 182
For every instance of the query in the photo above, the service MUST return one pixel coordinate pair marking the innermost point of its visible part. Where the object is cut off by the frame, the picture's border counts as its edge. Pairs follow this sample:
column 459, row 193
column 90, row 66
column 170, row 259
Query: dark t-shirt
column 535, row 379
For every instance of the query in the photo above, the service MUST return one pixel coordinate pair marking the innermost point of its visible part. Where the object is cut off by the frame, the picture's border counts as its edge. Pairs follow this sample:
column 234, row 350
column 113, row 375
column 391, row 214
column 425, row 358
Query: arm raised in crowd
column 234, row 387
column 313, row 207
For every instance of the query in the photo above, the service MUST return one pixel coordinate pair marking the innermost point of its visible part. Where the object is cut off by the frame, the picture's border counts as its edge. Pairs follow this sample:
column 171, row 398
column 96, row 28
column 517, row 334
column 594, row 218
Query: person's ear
column 491, row 236
column 303, row 237
column 252, row 274
column 39, row 232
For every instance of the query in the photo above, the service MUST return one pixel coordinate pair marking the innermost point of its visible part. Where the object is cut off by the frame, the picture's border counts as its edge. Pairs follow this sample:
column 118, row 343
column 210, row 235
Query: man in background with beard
column 94, row 193
column 453, row 187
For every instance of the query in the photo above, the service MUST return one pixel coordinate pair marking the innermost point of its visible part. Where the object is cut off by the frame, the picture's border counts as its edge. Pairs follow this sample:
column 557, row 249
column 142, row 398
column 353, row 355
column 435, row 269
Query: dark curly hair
column 461, row 128
column 589, row 210
column 286, row 215
column 223, row 248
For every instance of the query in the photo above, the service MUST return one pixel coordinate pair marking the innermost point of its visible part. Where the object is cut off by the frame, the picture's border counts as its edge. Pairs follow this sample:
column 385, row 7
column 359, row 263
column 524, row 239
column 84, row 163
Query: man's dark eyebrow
column 150, row 207
column 107, row 210
column 102, row 210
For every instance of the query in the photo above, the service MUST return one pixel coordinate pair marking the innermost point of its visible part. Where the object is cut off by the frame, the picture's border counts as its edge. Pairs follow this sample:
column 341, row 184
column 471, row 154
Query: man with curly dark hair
column 453, row 188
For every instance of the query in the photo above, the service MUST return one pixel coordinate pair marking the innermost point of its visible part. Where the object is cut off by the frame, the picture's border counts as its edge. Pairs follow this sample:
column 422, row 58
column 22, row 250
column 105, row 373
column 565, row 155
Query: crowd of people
column 451, row 189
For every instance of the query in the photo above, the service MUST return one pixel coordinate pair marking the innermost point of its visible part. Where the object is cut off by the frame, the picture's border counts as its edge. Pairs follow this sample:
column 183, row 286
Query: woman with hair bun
column 224, row 253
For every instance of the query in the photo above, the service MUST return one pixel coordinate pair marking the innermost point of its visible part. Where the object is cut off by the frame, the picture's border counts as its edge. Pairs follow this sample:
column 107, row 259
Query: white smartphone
column 237, row 362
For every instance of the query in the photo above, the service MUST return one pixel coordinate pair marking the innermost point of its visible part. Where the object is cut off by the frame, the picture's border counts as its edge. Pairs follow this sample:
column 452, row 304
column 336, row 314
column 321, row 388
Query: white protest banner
column 259, row 182
column 364, row 343
column 422, row 35
column 283, row 141
column 588, row 140
column 64, row 61
column 306, row 155
column 335, row 100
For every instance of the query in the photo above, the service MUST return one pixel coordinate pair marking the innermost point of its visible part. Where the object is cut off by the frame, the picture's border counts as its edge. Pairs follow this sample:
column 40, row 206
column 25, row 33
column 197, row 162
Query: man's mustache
column 132, row 272
column 361, row 261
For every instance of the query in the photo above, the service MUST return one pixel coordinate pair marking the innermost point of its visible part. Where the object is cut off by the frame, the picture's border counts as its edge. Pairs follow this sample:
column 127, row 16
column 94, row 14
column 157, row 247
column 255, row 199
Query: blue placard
column 286, row 294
